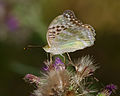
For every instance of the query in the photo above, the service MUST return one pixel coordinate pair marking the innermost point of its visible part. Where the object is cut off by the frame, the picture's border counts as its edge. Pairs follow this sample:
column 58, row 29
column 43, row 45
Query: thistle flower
column 84, row 68
column 111, row 88
column 32, row 79
column 55, row 82
column 59, row 81
column 58, row 65
column 108, row 90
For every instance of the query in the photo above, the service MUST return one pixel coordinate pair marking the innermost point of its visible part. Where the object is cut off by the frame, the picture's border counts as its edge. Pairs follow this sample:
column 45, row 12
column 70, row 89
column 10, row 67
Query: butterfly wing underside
column 67, row 31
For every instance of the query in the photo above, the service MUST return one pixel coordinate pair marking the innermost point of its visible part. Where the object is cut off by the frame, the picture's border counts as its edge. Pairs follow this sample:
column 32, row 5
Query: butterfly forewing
column 55, row 28
column 60, row 24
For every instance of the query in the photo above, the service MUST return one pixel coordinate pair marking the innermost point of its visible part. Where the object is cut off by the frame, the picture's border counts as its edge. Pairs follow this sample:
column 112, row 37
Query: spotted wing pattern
column 66, row 29
column 60, row 24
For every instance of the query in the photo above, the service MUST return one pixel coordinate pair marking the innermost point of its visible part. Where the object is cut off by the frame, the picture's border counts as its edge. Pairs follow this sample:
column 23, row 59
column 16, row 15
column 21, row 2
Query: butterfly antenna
column 32, row 46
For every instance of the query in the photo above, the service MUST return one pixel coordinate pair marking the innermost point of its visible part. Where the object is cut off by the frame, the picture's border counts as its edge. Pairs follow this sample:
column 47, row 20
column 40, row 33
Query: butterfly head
column 47, row 48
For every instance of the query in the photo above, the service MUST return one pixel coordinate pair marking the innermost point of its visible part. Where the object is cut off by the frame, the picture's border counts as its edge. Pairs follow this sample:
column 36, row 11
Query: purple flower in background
column 12, row 23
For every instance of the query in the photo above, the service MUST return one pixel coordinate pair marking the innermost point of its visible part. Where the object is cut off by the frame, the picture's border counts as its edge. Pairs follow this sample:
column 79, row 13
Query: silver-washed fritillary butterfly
column 67, row 34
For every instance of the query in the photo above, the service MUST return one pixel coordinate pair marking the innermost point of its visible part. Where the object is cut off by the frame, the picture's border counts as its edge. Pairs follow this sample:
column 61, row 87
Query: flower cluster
column 72, row 79
column 108, row 90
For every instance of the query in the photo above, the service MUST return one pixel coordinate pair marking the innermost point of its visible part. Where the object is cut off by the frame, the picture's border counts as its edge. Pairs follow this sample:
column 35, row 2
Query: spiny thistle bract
column 73, row 79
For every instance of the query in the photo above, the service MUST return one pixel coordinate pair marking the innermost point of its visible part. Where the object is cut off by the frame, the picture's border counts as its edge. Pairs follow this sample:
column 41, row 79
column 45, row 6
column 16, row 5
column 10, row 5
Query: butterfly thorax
column 54, row 50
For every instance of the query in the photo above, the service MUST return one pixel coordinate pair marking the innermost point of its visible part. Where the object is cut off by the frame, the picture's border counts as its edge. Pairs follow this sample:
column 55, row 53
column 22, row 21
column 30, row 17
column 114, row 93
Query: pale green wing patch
column 79, row 37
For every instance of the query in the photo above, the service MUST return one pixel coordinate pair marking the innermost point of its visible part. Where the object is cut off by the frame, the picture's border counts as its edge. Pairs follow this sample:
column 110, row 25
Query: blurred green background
column 24, row 22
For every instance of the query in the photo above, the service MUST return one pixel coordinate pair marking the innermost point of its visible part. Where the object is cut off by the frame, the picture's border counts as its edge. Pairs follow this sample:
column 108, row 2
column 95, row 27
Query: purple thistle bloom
column 56, row 66
column 58, row 61
column 12, row 23
column 108, row 90
column 111, row 88
column 59, row 64
column 45, row 68
column 32, row 78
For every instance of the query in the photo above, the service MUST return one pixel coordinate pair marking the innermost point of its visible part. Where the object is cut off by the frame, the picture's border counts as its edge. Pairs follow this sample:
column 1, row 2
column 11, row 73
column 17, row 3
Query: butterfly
column 67, row 34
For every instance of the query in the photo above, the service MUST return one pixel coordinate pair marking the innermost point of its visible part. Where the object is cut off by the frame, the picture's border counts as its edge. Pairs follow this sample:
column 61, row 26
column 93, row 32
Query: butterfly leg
column 63, row 57
column 51, row 58
column 69, row 57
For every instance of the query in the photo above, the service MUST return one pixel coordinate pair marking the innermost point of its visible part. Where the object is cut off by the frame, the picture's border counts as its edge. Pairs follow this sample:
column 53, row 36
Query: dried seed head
column 84, row 67
column 54, row 84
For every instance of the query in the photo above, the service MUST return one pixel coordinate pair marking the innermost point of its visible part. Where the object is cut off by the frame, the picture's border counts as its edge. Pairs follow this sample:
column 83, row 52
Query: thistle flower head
column 108, row 90
column 111, row 87
column 57, row 65
column 32, row 79
column 55, row 82
column 59, row 81
column 84, row 68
